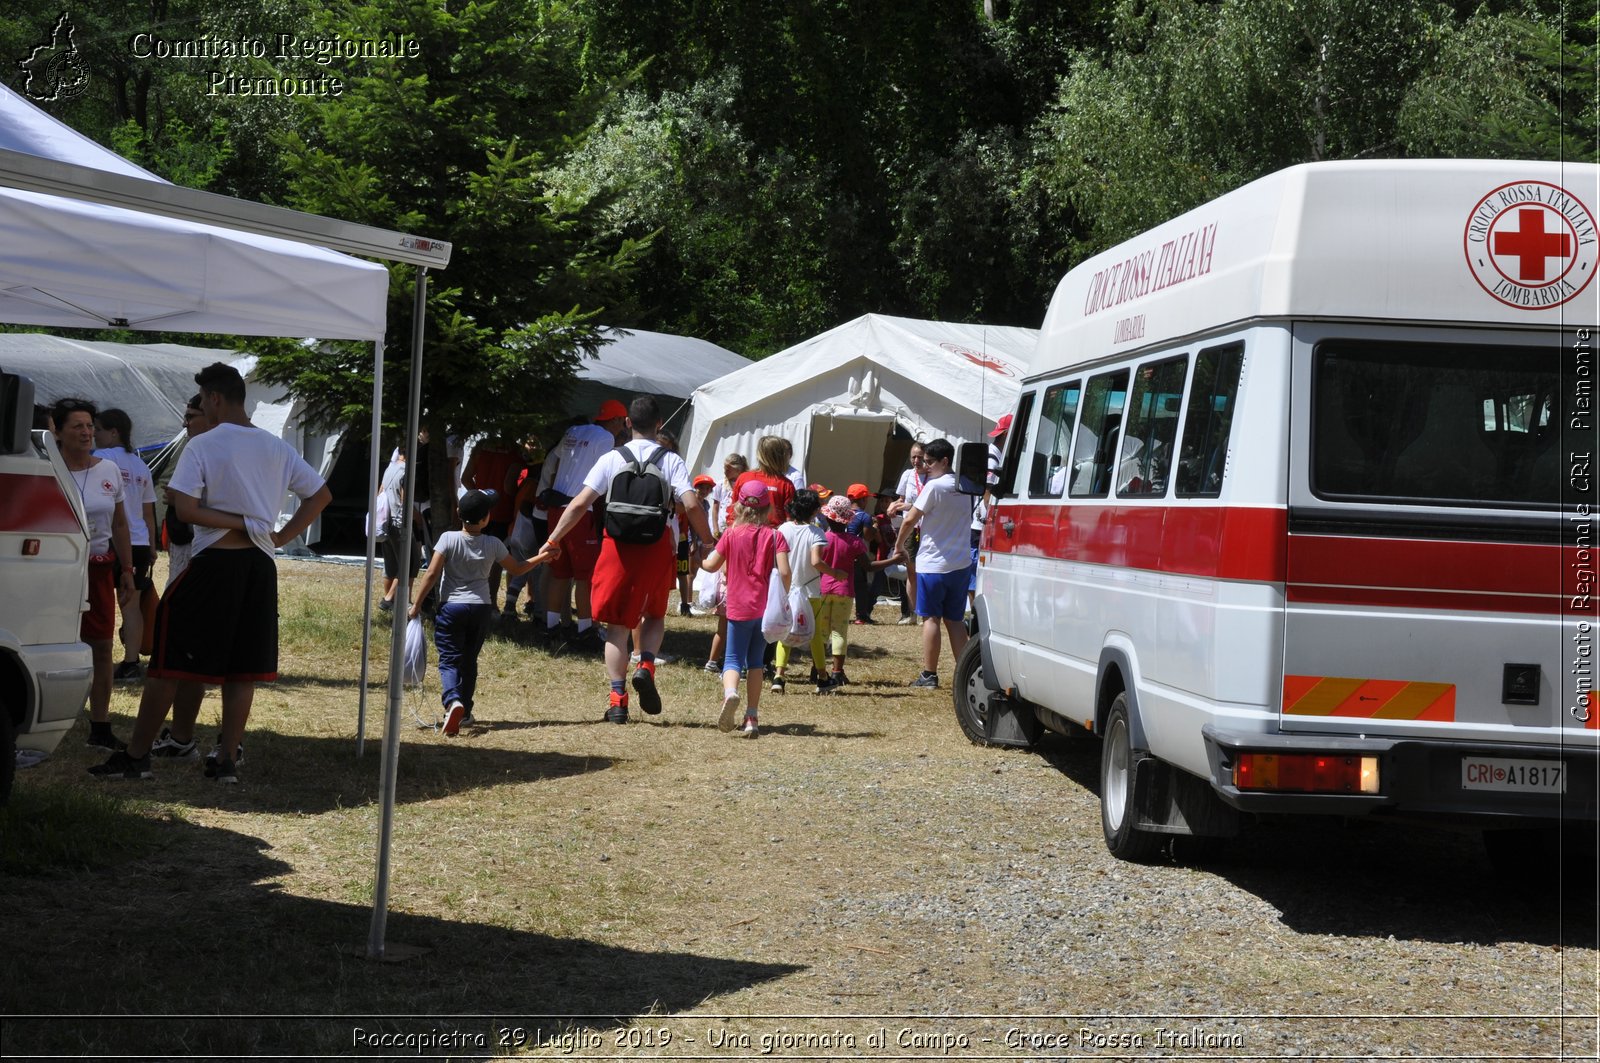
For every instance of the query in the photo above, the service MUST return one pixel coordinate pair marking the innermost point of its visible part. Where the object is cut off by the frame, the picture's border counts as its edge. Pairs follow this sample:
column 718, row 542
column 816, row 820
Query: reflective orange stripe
column 1381, row 699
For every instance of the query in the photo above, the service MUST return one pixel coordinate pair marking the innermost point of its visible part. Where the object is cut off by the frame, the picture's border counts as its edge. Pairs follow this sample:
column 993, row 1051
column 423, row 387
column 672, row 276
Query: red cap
column 704, row 481
column 857, row 491
column 1002, row 426
column 823, row 494
column 610, row 410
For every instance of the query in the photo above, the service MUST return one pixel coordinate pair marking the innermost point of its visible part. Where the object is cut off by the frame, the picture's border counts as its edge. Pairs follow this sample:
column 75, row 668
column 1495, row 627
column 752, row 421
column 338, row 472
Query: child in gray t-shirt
column 462, row 561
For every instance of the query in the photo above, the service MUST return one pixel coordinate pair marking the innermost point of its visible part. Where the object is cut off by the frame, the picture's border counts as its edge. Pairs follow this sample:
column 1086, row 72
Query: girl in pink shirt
column 751, row 548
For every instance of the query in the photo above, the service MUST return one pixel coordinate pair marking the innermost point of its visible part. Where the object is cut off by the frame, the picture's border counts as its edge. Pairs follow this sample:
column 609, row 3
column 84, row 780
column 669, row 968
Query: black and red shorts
column 218, row 622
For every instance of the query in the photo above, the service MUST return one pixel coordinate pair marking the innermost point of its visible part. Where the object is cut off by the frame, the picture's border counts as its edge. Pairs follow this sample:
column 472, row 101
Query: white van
column 45, row 670
column 1298, row 509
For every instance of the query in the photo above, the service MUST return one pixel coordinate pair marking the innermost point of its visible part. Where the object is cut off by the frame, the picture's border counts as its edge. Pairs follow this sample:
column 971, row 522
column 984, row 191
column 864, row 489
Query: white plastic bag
column 778, row 618
column 803, row 623
column 414, row 668
column 707, row 589
column 379, row 516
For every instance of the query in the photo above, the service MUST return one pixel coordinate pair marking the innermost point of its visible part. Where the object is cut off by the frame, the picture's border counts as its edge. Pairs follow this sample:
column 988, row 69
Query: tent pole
column 402, row 599
column 372, row 544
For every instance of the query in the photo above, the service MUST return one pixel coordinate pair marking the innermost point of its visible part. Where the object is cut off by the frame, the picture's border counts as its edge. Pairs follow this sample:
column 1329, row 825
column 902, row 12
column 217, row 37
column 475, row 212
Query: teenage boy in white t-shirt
column 632, row 582
column 218, row 624
column 944, row 556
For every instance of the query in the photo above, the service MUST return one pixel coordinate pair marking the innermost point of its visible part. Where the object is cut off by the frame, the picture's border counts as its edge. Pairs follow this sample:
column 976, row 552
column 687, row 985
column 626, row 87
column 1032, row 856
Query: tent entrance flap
column 847, row 448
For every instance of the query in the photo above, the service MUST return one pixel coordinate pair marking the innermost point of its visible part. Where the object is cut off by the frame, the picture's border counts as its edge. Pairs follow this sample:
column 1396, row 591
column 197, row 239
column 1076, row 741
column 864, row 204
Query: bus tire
column 1118, row 814
column 970, row 692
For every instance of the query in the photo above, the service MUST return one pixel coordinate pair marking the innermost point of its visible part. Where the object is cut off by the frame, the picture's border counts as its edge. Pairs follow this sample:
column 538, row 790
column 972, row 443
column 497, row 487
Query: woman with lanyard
column 912, row 481
column 99, row 484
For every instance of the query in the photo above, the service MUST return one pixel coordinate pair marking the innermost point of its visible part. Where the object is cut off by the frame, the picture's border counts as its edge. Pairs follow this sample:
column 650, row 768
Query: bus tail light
column 1312, row 773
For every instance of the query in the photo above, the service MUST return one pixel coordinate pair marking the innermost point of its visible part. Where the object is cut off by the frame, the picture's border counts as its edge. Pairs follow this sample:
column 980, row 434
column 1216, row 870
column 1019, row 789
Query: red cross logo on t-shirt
column 1531, row 244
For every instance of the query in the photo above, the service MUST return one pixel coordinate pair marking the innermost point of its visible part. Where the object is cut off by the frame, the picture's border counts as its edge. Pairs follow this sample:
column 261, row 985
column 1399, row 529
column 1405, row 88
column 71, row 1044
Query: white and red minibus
column 1298, row 508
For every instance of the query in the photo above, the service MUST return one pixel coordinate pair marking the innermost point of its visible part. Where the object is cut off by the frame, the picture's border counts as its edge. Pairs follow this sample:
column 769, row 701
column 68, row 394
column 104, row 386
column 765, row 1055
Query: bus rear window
column 1435, row 424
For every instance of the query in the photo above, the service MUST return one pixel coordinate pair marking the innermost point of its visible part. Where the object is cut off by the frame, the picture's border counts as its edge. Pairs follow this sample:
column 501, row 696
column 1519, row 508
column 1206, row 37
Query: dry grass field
column 859, row 881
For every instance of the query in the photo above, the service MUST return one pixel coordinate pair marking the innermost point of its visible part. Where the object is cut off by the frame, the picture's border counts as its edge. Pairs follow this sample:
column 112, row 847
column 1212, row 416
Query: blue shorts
column 942, row 595
column 746, row 645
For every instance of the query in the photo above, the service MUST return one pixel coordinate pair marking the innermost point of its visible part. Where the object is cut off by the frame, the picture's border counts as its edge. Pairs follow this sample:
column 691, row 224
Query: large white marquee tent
column 839, row 397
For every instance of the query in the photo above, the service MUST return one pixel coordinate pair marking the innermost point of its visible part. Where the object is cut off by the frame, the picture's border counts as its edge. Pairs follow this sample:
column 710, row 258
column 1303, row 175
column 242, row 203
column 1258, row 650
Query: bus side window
column 1152, row 428
column 1048, row 475
column 1094, row 447
column 1209, row 421
column 1006, row 486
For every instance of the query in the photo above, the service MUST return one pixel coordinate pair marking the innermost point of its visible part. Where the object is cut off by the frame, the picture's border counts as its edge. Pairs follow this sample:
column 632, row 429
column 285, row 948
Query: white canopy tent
column 87, row 239
column 75, row 264
column 839, row 397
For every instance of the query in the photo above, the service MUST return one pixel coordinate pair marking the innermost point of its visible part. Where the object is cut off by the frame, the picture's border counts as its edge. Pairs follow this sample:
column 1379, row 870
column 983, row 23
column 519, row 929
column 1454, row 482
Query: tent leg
column 402, row 594
column 372, row 546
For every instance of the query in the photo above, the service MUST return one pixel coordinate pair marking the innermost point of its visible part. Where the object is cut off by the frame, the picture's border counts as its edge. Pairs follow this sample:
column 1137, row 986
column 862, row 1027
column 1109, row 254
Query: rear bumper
column 60, row 677
column 1418, row 779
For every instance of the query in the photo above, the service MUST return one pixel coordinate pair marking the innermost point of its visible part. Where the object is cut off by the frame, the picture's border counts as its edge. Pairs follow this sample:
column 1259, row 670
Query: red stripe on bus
column 1433, row 574
column 1217, row 542
column 34, row 504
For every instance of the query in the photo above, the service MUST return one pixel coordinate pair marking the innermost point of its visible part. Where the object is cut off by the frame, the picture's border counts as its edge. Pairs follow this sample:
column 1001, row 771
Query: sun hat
column 839, row 510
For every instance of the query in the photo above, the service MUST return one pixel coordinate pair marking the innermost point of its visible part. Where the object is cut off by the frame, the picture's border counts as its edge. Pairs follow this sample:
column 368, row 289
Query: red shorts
column 580, row 547
column 99, row 623
column 632, row 582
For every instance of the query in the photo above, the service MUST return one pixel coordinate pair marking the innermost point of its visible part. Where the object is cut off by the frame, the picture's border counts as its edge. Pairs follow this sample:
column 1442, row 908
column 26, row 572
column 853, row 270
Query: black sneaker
column 644, row 685
column 128, row 672
column 105, row 740
column 824, row 686
column 586, row 641
column 616, row 710
column 168, row 747
column 777, row 684
column 927, row 681
column 121, row 766
column 215, row 755
column 839, row 679
column 227, row 772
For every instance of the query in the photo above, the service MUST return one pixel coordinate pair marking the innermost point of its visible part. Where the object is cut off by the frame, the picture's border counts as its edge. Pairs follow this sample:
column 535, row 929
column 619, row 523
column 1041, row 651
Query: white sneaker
column 750, row 730
column 906, row 620
column 730, row 712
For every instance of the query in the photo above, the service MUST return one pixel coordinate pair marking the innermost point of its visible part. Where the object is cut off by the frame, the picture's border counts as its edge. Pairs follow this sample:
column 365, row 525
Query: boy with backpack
column 640, row 482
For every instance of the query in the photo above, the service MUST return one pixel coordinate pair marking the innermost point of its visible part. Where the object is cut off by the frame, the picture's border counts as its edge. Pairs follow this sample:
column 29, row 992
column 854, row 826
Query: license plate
column 1513, row 776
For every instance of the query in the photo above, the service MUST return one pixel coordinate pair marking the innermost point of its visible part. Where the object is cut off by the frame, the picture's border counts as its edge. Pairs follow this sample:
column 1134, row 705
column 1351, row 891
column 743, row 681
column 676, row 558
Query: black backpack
column 639, row 501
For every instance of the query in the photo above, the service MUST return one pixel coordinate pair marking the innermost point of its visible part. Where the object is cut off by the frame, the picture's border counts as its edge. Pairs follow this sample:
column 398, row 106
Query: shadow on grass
column 206, row 957
column 295, row 773
column 1375, row 878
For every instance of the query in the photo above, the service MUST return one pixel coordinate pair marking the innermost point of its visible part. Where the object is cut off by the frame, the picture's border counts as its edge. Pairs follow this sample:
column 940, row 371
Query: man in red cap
column 564, row 471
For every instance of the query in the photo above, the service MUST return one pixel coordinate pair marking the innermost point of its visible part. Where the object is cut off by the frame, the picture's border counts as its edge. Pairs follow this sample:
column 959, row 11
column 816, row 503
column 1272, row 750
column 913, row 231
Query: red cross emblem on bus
column 1530, row 245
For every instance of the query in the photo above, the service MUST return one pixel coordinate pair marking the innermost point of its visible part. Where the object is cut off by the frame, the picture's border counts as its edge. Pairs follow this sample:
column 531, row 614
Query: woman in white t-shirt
column 99, row 484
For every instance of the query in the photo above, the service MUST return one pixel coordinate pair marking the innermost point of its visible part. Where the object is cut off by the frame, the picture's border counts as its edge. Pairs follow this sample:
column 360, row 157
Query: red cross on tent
column 1530, row 245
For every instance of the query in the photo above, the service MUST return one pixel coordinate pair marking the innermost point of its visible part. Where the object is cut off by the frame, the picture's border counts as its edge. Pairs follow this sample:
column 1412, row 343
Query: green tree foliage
column 1191, row 99
column 816, row 160
column 454, row 144
column 1507, row 85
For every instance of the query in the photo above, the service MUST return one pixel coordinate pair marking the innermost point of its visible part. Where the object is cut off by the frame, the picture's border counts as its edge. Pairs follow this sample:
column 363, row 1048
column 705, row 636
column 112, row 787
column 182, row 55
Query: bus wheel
column 971, row 693
column 1117, row 813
